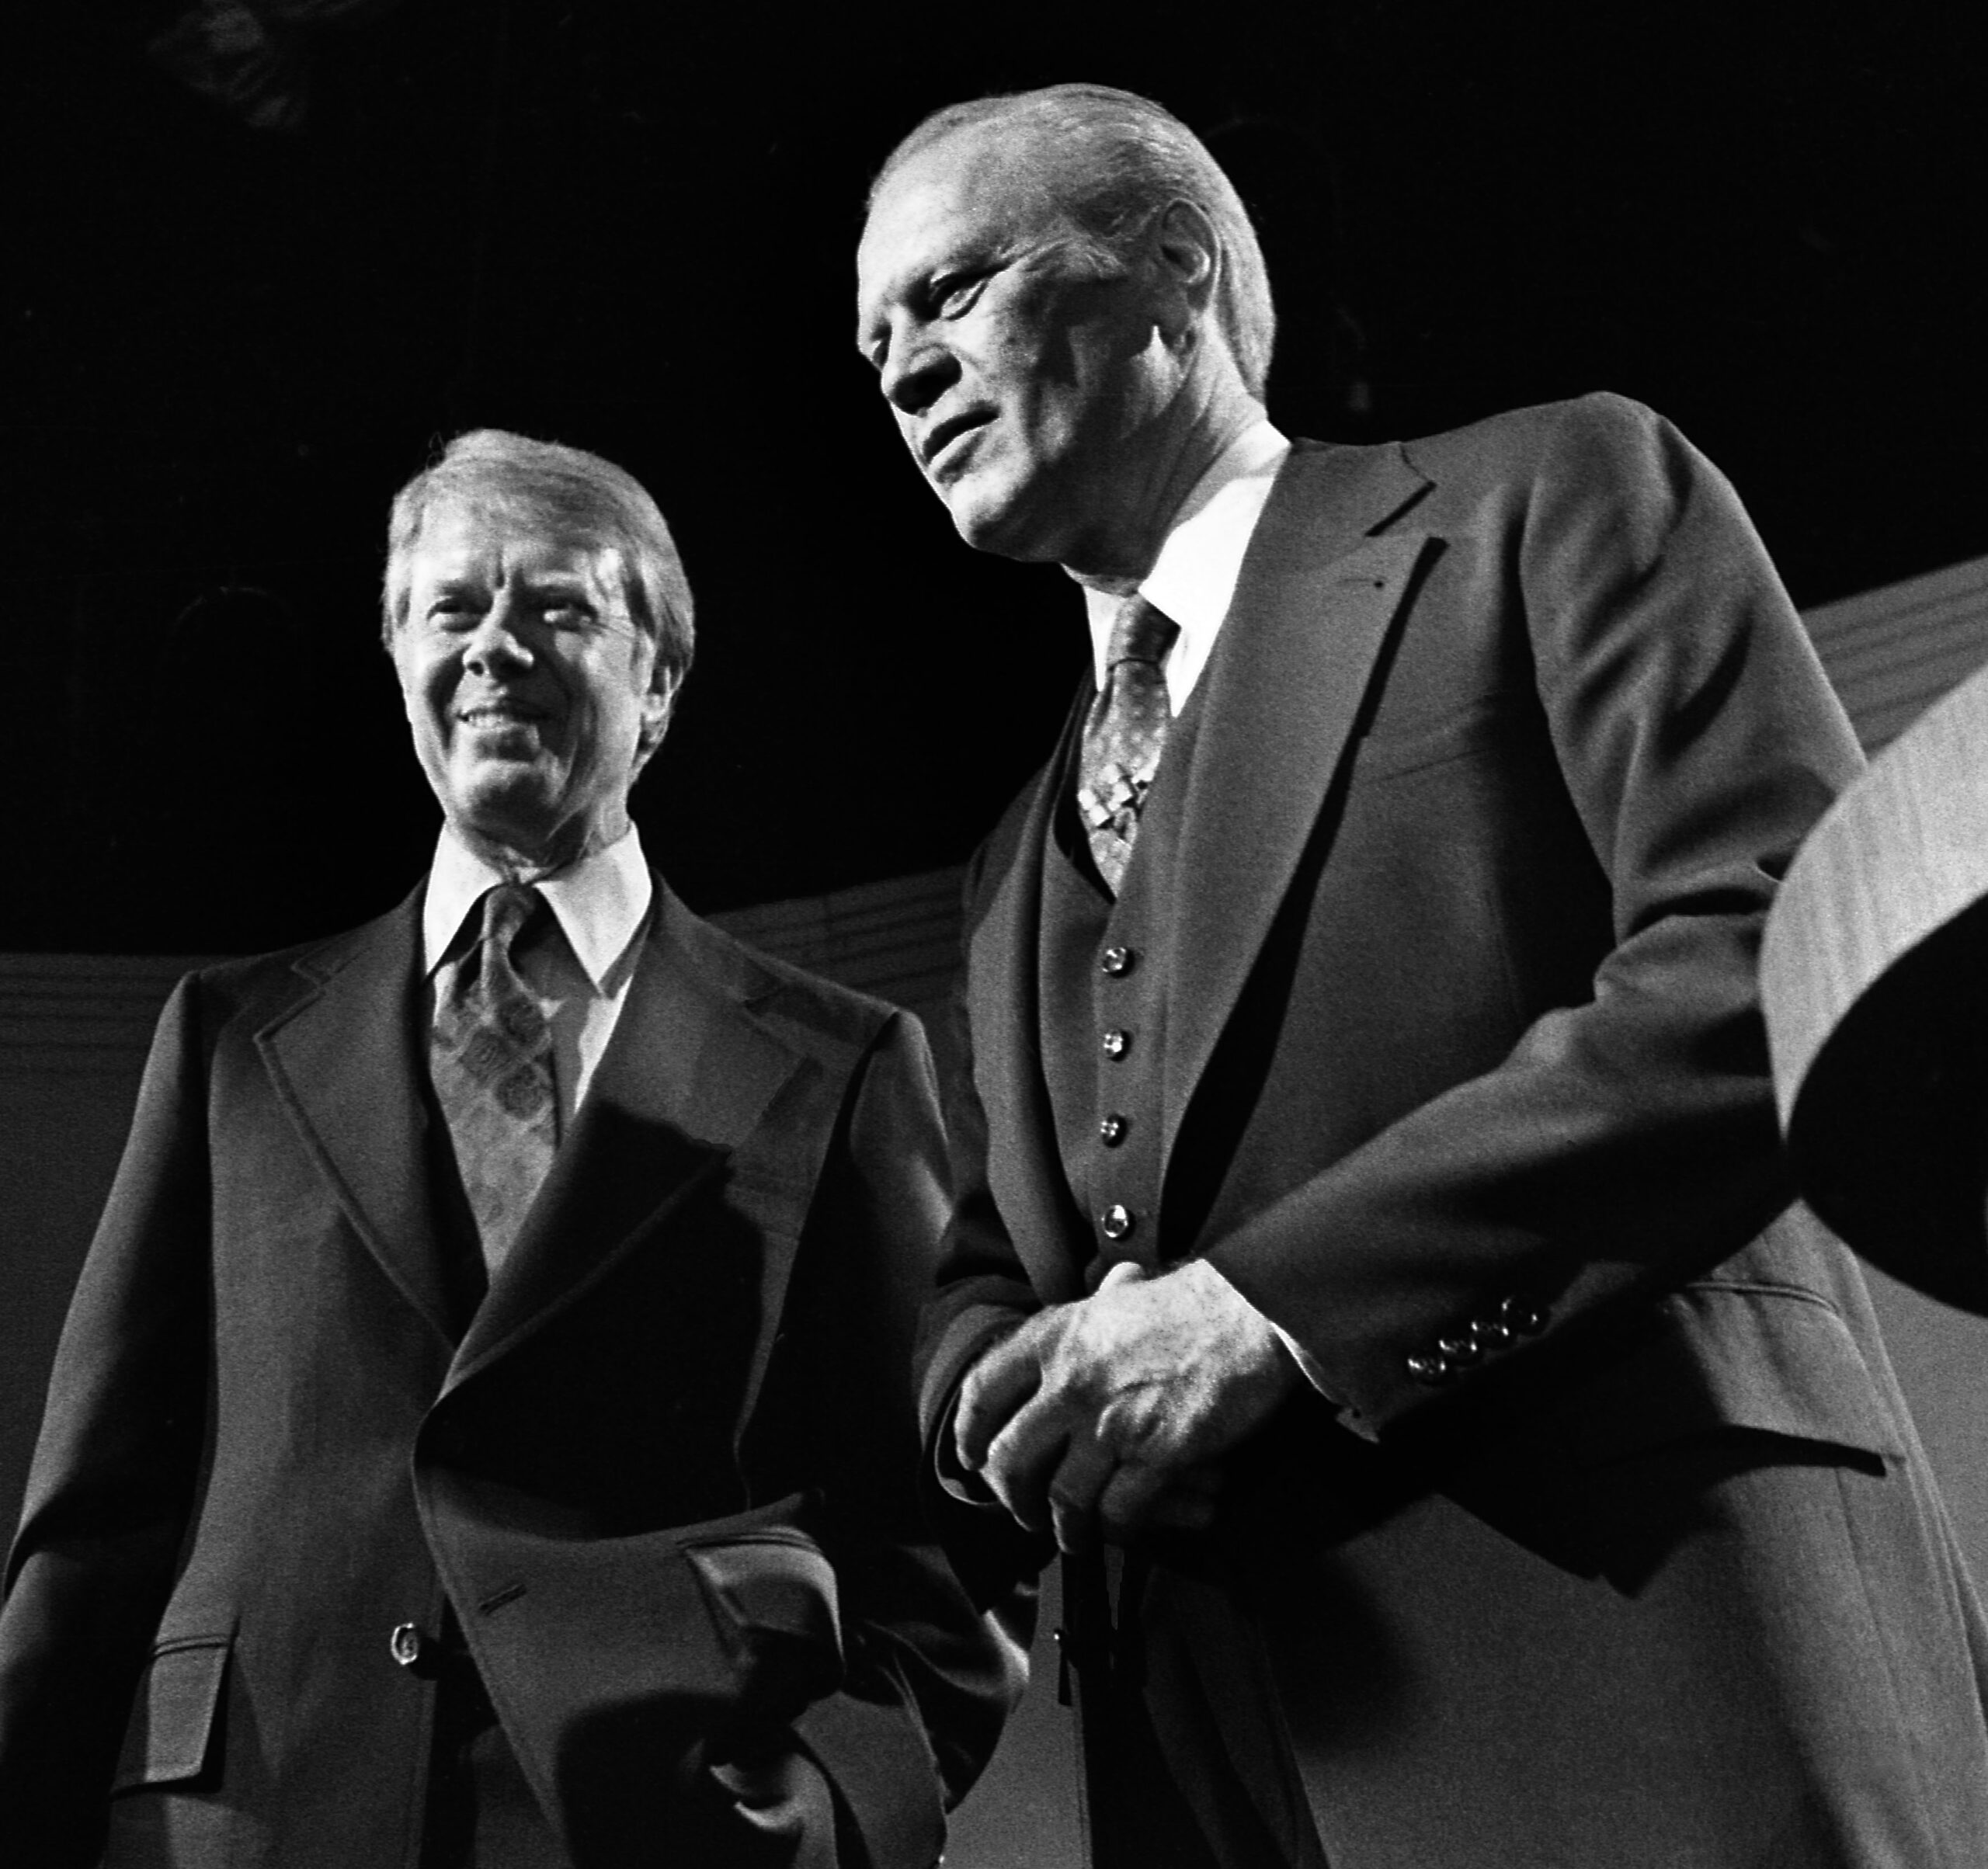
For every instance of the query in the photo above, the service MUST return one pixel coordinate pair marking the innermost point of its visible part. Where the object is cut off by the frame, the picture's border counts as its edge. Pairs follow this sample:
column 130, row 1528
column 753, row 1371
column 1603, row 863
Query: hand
column 1113, row 1410
column 782, row 1812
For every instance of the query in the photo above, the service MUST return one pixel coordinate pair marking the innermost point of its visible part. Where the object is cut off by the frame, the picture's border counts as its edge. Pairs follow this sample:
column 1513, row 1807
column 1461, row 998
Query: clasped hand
column 1111, row 1412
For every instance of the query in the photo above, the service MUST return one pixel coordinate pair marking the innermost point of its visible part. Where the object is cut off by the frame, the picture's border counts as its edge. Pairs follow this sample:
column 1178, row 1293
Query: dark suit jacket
column 660, row 1478
column 1507, row 737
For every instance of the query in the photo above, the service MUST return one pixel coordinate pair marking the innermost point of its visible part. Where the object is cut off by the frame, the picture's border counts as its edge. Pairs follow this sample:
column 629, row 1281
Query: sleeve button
column 1459, row 1352
column 1521, row 1316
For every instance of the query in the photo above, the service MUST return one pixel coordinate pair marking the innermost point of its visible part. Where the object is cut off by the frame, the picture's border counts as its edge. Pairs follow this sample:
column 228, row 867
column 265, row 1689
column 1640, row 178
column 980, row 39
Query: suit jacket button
column 1117, row 1042
column 1488, row 1333
column 1431, row 1372
column 1459, row 1352
column 1118, row 961
column 408, row 1645
column 1115, row 1222
column 1111, row 1130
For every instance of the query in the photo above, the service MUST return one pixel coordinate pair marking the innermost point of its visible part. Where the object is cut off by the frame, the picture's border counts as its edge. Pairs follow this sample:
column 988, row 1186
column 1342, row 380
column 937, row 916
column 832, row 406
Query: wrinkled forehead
column 966, row 193
column 498, row 541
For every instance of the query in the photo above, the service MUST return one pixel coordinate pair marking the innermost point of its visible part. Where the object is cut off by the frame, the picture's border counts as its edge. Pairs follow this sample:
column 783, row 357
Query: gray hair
column 564, row 493
column 1112, row 161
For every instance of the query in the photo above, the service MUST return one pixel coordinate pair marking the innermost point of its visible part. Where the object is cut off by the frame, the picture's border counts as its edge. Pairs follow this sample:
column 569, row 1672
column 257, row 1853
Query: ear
column 658, row 700
column 1188, row 256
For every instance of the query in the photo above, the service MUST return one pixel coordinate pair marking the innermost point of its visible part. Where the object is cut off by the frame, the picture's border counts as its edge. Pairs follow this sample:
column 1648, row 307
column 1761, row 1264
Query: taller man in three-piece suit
column 482, row 1436
column 1370, row 1221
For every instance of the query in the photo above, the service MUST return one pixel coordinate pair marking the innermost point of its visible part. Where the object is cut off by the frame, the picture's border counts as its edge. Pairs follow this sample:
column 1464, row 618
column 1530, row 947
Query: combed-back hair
column 1112, row 161
column 545, row 487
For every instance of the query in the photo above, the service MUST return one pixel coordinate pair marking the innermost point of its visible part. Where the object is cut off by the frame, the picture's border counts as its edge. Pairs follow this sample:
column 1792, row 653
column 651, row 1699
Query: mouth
column 938, row 439
column 499, row 717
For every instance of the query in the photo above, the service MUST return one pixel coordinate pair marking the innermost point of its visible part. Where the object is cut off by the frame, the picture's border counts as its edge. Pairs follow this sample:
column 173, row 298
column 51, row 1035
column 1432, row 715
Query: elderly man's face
column 1027, row 387
column 529, row 687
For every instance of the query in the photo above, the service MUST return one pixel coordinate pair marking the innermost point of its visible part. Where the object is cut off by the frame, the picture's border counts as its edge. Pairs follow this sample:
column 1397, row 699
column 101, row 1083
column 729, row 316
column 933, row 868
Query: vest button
column 1118, row 961
column 407, row 1644
column 1117, row 1042
column 1111, row 1130
column 1116, row 1222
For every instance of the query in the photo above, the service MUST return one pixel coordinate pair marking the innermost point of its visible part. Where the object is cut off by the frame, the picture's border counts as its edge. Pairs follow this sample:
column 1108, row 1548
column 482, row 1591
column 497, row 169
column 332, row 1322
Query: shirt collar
column 599, row 902
column 1194, row 575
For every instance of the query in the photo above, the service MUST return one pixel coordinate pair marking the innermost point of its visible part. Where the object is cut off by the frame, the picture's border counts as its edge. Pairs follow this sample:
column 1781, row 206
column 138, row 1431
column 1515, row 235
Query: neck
column 533, row 858
column 1201, row 429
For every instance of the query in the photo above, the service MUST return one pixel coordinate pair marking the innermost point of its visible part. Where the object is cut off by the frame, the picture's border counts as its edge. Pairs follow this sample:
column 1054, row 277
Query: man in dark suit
column 481, row 1435
column 1371, row 1219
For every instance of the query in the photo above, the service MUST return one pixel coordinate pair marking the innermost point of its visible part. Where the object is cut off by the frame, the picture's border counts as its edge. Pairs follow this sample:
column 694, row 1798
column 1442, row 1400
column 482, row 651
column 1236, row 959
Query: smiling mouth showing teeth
column 498, row 716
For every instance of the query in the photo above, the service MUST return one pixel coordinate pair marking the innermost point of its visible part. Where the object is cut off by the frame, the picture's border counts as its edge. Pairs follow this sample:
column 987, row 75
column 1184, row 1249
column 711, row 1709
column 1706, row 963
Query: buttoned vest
column 1103, row 1005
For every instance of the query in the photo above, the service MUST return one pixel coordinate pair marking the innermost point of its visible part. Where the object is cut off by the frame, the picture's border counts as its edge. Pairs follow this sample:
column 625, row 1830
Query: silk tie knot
column 1140, row 632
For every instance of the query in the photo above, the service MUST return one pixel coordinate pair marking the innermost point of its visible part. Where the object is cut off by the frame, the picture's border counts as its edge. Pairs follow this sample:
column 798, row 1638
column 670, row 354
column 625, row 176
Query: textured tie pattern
column 1124, row 734
column 492, row 1067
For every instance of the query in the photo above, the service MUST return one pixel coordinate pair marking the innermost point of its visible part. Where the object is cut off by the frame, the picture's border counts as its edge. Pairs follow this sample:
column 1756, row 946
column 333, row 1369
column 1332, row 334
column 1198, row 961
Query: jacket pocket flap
column 173, row 1713
column 774, row 1584
column 1735, row 1354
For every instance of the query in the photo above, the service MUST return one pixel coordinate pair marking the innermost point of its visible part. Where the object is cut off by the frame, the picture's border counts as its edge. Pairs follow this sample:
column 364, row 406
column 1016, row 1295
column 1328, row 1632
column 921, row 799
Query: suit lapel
column 1290, row 670
column 1004, row 993
column 344, row 1065
column 688, row 1077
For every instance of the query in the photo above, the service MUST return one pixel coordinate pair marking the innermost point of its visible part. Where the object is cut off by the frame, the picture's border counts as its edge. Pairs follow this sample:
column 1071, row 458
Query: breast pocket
column 1399, row 748
column 175, row 1719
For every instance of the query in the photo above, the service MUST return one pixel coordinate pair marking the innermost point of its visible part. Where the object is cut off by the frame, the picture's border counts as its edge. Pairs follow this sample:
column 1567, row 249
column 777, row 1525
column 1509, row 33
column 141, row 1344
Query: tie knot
column 506, row 910
column 1139, row 633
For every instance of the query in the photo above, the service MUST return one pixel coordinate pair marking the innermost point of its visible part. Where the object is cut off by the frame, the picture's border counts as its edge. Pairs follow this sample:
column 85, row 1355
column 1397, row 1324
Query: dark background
column 630, row 227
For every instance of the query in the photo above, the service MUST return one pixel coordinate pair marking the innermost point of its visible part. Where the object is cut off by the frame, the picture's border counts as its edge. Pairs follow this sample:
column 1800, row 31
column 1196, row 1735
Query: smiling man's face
column 532, row 696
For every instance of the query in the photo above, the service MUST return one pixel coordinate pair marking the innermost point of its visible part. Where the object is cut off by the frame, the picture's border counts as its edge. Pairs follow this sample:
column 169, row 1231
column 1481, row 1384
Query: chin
column 1002, row 527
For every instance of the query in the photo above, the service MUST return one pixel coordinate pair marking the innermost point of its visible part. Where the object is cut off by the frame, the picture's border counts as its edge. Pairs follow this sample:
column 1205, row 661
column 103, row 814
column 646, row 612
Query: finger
column 1199, row 1479
column 1183, row 1509
column 1023, row 1459
column 1080, row 1480
column 1003, row 1378
column 1130, row 1497
column 1127, row 1272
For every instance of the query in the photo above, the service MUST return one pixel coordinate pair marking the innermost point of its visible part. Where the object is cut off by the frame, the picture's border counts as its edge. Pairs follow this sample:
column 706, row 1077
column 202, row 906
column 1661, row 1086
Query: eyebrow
column 974, row 254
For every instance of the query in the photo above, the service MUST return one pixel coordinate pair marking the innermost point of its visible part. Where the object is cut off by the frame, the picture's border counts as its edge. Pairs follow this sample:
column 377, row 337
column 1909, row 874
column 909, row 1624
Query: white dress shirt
column 1194, row 575
column 579, row 971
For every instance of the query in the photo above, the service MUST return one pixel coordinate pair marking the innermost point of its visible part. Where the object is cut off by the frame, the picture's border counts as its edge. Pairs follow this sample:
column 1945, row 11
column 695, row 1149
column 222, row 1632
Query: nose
column 497, row 646
column 916, row 373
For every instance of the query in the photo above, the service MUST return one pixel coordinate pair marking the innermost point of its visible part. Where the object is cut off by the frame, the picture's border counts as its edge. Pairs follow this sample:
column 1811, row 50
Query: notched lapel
column 1291, row 668
column 686, row 1081
column 344, row 1065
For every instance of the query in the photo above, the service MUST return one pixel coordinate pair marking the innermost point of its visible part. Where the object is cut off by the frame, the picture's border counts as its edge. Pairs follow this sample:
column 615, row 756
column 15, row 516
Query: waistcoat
column 1103, row 1000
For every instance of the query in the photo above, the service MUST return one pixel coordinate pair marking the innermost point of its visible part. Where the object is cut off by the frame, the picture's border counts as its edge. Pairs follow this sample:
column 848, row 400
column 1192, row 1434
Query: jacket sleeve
column 930, row 1679
column 1627, row 1141
column 114, row 1472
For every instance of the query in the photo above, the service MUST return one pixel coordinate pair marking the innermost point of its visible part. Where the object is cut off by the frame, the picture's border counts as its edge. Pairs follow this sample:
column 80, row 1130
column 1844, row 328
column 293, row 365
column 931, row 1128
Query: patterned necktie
column 491, row 1061
column 1124, row 734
